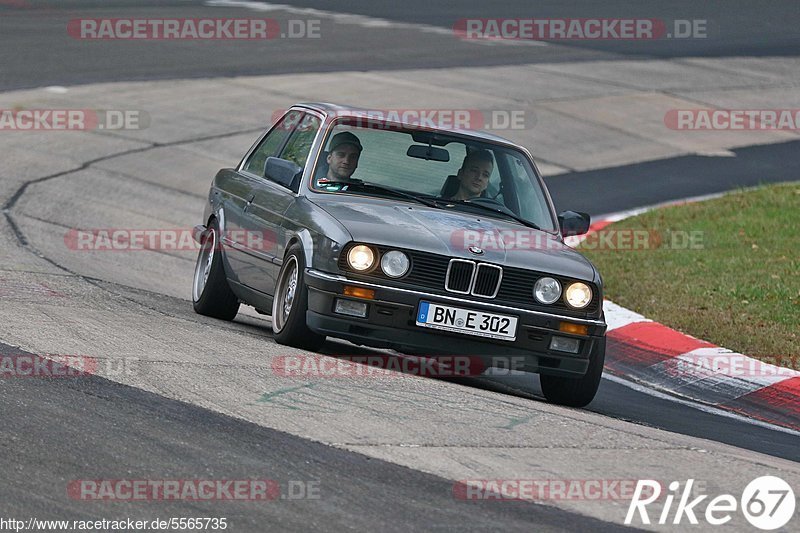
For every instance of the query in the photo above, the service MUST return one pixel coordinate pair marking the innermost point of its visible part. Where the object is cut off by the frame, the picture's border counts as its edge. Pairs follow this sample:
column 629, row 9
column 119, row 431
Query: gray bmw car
column 391, row 235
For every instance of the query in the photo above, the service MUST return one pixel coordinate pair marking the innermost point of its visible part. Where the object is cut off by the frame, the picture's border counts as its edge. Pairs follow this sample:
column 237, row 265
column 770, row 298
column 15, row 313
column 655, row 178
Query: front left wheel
column 211, row 294
column 577, row 392
column 290, row 304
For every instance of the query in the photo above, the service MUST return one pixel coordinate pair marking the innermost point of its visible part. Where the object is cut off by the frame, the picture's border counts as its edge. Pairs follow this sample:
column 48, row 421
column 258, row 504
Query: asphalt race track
column 181, row 396
column 759, row 28
column 112, row 424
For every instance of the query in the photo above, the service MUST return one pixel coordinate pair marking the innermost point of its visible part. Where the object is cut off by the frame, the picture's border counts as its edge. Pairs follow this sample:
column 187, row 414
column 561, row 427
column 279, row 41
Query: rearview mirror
column 428, row 153
column 428, row 137
column 573, row 223
column 284, row 172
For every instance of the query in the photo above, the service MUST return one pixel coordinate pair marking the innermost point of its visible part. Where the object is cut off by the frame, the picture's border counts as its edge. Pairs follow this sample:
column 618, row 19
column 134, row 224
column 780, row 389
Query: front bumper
column 391, row 323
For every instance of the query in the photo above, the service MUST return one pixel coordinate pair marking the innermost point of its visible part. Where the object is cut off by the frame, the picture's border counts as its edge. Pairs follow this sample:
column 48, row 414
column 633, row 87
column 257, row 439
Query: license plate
column 468, row 321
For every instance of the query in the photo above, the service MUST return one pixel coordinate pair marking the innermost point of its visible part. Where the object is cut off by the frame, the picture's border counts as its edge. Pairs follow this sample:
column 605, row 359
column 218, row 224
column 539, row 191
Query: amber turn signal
column 577, row 329
column 359, row 292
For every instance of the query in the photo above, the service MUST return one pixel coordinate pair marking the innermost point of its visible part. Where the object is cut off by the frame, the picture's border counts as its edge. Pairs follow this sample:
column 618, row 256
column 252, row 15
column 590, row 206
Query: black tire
column 577, row 392
column 289, row 304
column 211, row 294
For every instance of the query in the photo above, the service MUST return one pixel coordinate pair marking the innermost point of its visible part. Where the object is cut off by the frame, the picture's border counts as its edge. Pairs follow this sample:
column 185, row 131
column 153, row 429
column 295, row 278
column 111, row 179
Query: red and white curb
column 664, row 359
column 651, row 353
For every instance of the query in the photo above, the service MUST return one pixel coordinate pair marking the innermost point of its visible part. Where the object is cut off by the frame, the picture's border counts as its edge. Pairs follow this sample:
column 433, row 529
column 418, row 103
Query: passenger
column 473, row 176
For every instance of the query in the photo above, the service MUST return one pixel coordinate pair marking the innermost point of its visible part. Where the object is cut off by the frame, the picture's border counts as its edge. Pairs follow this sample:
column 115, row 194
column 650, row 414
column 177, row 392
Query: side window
column 299, row 144
column 272, row 143
column 535, row 206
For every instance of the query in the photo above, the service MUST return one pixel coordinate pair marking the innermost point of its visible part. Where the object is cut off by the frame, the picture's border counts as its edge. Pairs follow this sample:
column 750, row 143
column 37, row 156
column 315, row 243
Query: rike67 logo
column 767, row 502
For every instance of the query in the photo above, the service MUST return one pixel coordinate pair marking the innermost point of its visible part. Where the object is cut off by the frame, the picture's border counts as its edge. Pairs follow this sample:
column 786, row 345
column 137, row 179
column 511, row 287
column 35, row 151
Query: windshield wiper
column 505, row 212
column 380, row 188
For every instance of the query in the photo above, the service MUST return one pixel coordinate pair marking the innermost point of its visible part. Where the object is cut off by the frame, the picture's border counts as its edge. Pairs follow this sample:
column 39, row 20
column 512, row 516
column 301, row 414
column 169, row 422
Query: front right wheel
column 290, row 304
column 577, row 392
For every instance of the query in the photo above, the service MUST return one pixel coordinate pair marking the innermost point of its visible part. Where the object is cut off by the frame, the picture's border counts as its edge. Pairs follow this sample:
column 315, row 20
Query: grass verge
column 725, row 270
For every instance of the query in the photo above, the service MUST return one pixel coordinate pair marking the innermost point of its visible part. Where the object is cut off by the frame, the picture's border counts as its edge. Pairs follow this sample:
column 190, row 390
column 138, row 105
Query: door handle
column 249, row 201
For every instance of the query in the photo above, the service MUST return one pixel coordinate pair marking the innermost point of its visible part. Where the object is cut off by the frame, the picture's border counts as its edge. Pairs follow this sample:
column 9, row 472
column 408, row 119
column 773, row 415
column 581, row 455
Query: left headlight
column 547, row 290
column 394, row 263
column 361, row 258
column 578, row 295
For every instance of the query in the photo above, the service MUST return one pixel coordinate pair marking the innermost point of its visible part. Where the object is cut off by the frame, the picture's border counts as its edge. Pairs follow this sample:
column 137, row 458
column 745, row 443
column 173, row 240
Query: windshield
column 435, row 167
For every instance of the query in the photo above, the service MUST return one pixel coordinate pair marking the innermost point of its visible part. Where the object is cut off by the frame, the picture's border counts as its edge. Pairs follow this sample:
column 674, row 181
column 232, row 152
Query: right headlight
column 579, row 295
column 547, row 290
column 360, row 258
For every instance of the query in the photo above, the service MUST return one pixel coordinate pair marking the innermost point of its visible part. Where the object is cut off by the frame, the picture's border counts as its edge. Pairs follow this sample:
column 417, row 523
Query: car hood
column 451, row 233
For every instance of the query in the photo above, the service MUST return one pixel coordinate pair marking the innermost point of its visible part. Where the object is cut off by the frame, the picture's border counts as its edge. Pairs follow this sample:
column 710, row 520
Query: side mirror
column 283, row 172
column 573, row 223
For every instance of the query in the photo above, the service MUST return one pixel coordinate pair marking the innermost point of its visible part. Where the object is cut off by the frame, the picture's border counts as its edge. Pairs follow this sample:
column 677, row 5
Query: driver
column 473, row 176
column 343, row 153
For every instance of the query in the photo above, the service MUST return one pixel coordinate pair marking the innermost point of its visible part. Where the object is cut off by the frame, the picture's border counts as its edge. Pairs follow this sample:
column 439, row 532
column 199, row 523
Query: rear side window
column 272, row 143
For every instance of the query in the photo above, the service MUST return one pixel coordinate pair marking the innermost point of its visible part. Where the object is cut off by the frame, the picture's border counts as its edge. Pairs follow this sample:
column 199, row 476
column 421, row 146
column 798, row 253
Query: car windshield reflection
column 436, row 169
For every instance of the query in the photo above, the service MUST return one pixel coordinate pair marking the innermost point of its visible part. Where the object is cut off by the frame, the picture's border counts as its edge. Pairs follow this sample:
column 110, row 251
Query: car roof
column 338, row 110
